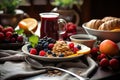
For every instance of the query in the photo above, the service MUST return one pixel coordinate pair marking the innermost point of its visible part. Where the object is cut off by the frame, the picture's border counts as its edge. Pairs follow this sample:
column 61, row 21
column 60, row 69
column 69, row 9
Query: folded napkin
column 13, row 66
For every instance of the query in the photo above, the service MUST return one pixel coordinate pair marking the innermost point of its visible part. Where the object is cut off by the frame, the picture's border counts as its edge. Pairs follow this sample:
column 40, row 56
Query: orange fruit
column 29, row 25
column 109, row 47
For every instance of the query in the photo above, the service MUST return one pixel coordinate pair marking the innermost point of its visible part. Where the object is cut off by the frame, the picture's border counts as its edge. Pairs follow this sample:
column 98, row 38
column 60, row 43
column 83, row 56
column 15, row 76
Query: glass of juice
column 50, row 24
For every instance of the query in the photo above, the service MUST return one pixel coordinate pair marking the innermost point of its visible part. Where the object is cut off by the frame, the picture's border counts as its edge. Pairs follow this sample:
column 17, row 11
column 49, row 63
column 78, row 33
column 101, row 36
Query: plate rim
column 24, row 48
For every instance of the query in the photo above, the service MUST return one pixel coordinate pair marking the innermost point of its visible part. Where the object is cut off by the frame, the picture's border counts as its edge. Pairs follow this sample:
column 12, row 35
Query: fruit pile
column 49, row 47
column 71, row 29
column 107, row 54
column 8, row 35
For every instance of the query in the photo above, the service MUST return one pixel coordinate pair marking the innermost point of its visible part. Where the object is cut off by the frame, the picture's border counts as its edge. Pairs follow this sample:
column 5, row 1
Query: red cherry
column 33, row 51
column 42, row 53
column 114, row 64
column 104, row 62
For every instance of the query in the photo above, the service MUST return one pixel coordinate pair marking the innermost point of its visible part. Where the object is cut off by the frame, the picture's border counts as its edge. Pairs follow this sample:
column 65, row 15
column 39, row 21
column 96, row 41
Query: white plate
column 53, row 59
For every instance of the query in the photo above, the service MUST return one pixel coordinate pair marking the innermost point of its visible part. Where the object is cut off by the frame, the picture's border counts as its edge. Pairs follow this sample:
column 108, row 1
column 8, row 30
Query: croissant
column 94, row 24
column 110, row 25
column 105, row 19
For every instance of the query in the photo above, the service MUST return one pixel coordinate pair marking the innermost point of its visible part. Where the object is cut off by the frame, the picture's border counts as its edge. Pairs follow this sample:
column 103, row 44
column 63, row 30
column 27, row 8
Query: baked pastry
column 94, row 24
column 105, row 19
column 110, row 25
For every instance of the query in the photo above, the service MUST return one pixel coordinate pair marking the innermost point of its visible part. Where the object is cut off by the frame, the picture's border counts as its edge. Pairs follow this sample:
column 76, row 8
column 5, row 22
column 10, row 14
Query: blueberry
column 79, row 47
column 45, row 49
column 38, row 47
column 45, row 45
column 43, row 42
column 49, row 52
column 54, row 55
column 61, row 55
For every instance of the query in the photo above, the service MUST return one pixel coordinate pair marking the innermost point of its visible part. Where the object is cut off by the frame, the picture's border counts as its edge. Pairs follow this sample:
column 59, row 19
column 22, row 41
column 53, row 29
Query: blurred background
column 88, row 9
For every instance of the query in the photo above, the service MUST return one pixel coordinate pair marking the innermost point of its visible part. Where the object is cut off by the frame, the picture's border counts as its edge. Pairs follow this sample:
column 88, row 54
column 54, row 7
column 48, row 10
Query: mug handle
column 61, row 27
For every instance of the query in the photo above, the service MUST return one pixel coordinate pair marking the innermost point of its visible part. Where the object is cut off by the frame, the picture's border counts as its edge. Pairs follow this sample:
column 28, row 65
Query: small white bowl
column 85, row 39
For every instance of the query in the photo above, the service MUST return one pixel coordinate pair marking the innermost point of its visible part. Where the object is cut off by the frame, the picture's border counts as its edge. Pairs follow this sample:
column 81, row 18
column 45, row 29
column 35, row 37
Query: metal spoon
column 37, row 65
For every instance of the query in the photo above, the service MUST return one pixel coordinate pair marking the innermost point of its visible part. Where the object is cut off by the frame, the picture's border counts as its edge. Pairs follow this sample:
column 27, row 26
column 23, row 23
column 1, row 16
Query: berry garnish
column 20, row 38
column 75, row 49
column 71, row 45
column 114, row 64
column 104, row 62
column 51, row 45
column 33, row 51
column 8, row 34
column 61, row 55
column 101, row 56
column 79, row 47
column 42, row 53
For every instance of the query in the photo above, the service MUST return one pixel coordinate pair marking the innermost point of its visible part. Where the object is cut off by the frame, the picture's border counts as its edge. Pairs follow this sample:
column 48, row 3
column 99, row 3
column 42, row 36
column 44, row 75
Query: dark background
column 91, row 9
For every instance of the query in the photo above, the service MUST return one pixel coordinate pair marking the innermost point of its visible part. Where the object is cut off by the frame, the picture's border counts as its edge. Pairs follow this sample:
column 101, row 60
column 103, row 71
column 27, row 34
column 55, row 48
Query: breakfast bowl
column 103, row 34
column 85, row 39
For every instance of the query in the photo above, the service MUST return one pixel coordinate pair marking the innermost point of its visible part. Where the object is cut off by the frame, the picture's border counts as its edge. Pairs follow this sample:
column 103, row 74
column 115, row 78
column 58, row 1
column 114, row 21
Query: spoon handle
column 69, row 72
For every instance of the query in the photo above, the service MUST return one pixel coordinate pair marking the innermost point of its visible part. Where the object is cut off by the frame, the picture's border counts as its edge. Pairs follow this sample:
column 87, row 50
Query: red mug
column 50, row 23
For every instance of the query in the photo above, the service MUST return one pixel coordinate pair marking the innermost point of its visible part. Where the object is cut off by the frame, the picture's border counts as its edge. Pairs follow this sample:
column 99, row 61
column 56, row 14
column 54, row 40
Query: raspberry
column 94, row 51
column 33, row 51
column 9, row 34
column 104, row 62
column 114, row 64
column 20, row 38
column 71, row 45
column 13, row 40
column 1, row 28
column 9, row 29
column 75, row 49
column 51, row 45
column 101, row 56
column 1, row 36
column 42, row 53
